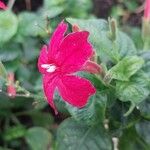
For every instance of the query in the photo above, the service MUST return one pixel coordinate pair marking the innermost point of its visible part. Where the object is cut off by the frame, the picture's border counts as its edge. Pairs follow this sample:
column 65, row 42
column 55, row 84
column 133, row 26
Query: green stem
column 132, row 106
column 146, row 45
column 15, row 119
column 3, row 71
column 10, row 4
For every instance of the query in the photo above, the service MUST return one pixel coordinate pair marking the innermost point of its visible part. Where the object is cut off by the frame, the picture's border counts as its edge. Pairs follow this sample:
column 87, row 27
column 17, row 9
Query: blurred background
column 25, row 119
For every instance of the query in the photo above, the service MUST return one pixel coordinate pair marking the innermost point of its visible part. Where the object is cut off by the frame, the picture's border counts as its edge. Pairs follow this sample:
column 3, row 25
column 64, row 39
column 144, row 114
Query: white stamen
column 49, row 67
column 45, row 66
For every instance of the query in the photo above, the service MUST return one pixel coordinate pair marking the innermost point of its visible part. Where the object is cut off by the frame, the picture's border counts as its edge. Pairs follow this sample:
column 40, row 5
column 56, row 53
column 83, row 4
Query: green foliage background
column 121, row 107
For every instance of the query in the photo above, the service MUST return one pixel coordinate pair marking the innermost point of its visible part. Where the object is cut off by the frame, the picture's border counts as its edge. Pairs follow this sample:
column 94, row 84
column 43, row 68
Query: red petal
column 75, row 90
column 75, row 50
column 43, row 59
column 3, row 6
column 56, row 38
column 49, row 86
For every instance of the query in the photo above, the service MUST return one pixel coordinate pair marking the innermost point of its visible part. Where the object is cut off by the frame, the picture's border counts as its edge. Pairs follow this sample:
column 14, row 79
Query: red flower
column 64, row 56
column 3, row 6
column 11, row 90
column 147, row 10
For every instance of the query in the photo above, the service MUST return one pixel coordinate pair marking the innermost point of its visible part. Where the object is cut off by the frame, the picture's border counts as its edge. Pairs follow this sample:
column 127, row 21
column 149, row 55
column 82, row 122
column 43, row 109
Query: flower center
column 49, row 67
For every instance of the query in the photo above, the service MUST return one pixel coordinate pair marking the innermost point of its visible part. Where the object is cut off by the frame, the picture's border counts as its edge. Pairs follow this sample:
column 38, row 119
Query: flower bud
column 92, row 67
column 147, row 10
column 11, row 90
column 113, row 29
column 146, row 26
column 75, row 28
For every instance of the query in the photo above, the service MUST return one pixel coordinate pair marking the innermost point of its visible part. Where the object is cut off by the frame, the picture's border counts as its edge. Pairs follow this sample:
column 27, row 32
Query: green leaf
column 14, row 133
column 144, row 108
column 23, row 73
column 8, row 25
column 83, row 7
column 91, row 25
column 5, row 102
column 93, row 112
column 130, row 140
column 136, row 90
column 12, row 66
column 117, row 119
column 131, row 5
column 125, row 68
column 126, row 47
column 135, row 34
column 94, row 79
column 72, row 135
column 48, row 4
column 3, row 72
column 117, row 11
column 146, row 68
column 143, row 129
column 146, row 56
column 10, row 51
column 29, row 24
column 31, row 49
column 52, row 12
column 41, row 118
column 38, row 138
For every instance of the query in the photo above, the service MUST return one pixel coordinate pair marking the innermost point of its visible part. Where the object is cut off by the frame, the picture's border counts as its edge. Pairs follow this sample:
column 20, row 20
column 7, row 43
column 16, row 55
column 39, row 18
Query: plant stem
column 130, row 110
column 146, row 45
column 10, row 4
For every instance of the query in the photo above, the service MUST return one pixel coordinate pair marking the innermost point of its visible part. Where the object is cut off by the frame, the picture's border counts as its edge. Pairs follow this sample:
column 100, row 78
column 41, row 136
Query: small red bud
column 11, row 90
column 92, row 67
column 75, row 28
column 147, row 10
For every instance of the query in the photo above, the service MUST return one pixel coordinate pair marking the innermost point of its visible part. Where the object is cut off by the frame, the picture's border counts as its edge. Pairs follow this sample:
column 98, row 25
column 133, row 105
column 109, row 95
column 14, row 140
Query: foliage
column 119, row 109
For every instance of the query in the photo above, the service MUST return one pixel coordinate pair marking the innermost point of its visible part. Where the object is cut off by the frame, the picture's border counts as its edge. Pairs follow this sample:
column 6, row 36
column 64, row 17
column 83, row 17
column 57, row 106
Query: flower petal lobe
column 49, row 86
column 56, row 39
column 75, row 90
column 74, row 51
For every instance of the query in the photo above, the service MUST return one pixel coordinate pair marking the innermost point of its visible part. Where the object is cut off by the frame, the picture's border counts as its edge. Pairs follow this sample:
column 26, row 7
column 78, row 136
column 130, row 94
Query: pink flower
column 11, row 90
column 3, row 6
column 147, row 10
column 64, row 56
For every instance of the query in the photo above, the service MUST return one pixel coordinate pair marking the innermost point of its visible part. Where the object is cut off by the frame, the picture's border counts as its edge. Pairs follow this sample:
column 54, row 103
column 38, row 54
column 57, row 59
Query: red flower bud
column 11, row 90
column 147, row 10
column 75, row 28
column 92, row 67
